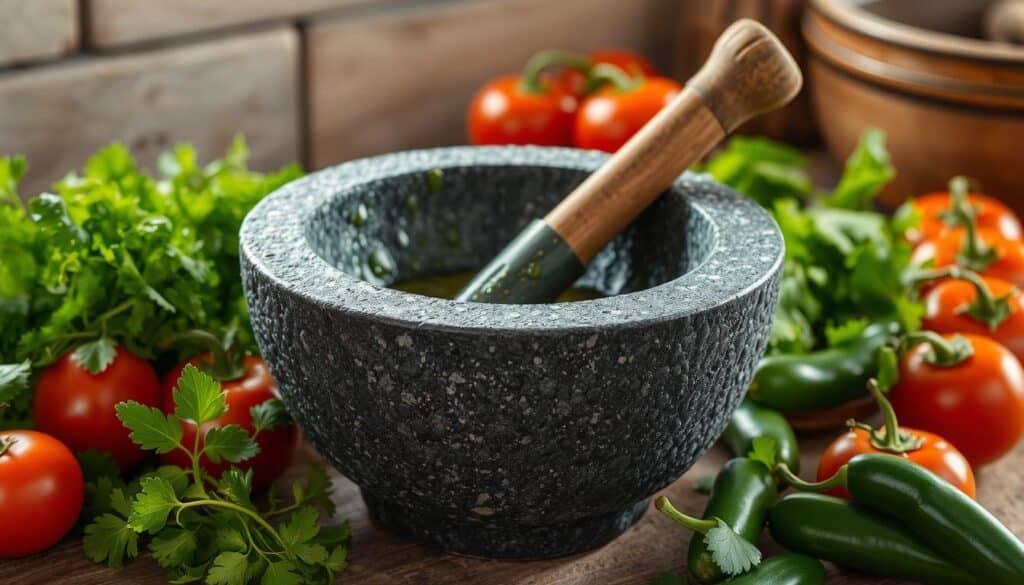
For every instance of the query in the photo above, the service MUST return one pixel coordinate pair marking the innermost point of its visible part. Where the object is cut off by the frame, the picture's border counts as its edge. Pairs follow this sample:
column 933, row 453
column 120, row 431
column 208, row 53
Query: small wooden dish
column 950, row 102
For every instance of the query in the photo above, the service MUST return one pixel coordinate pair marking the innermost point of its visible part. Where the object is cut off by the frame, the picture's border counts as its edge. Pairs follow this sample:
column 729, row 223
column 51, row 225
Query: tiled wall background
column 320, row 81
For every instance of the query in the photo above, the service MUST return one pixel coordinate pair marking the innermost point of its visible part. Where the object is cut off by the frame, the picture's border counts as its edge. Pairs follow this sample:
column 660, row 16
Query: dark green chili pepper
column 743, row 491
column 789, row 569
column 822, row 379
column 956, row 526
column 751, row 421
column 854, row 536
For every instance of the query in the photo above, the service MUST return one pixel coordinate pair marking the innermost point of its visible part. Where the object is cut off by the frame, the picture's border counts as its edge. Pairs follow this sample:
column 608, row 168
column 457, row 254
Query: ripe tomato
column 935, row 454
column 946, row 304
column 41, row 492
column 277, row 445
column 77, row 407
column 992, row 214
column 505, row 111
column 611, row 116
column 944, row 249
column 977, row 404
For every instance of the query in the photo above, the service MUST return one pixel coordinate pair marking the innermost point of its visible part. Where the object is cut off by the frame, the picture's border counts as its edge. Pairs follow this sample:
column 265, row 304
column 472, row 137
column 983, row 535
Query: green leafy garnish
column 867, row 170
column 13, row 380
column 764, row 450
column 730, row 551
column 95, row 356
column 200, row 527
column 888, row 368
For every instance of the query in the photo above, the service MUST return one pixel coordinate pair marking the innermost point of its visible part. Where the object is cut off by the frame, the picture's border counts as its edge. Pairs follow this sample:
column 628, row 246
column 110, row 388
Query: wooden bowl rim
column 858, row 20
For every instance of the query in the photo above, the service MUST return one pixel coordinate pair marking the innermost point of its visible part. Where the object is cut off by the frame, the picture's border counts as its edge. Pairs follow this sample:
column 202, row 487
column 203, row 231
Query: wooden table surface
column 653, row 546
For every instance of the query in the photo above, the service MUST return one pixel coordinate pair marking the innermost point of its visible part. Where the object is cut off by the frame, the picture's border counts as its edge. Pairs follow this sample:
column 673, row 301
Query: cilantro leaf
column 229, row 568
column 111, row 540
column 150, row 427
column 730, row 551
column 236, row 485
column 175, row 476
column 173, row 547
column 867, row 170
column 765, row 451
column 14, row 380
column 95, row 356
column 152, row 505
column 12, row 168
column 269, row 414
column 281, row 573
column 846, row 332
column 229, row 442
column 198, row 397
column 300, row 528
column 338, row 559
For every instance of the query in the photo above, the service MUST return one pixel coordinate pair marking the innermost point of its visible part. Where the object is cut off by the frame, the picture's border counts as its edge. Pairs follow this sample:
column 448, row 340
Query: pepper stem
column 5, row 444
column 943, row 353
column 224, row 366
column 787, row 476
column 986, row 307
column 531, row 83
column 695, row 524
column 890, row 438
column 608, row 73
column 974, row 253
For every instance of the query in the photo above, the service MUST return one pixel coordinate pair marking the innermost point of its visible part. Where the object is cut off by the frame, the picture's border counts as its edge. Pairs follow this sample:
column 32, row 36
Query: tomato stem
column 836, row 481
column 5, row 444
column 890, row 438
column 606, row 72
column 224, row 365
column 531, row 83
column 986, row 307
column 695, row 524
column 943, row 353
column 974, row 253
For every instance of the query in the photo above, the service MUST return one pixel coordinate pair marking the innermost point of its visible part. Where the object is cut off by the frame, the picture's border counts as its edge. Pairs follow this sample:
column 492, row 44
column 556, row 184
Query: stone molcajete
column 505, row 430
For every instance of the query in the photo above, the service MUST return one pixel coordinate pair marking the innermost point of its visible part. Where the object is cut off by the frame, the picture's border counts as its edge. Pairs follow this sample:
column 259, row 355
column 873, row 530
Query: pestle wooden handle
column 748, row 73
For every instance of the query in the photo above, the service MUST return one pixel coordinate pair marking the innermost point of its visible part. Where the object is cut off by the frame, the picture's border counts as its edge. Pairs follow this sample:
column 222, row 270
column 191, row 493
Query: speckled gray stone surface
column 505, row 430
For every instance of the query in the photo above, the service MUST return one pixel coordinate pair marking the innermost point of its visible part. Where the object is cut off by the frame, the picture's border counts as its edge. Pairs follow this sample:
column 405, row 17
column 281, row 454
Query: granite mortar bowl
column 505, row 430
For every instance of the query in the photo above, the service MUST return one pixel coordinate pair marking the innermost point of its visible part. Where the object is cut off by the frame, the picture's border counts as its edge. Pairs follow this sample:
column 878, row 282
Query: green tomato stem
column 943, row 353
column 695, row 524
column 786, row 475
column 608, row 73
column 5, row 444
column 531, row 84
column 974, row 253
column 890, row 438
column 986, row 308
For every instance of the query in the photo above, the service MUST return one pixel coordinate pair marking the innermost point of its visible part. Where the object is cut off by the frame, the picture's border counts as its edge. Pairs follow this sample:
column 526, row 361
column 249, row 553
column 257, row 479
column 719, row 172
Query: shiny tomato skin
column 501, row 113
column 945, row 302
column 77, row 407
column 936, row 454
column 610, row 117
column 991, row 214
column 41, row 493
column 277, row 445
column 943, row 250
column 977, row 405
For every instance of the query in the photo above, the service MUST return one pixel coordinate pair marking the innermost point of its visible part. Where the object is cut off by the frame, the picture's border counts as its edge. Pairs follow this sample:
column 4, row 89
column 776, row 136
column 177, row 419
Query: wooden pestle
column 748, row 73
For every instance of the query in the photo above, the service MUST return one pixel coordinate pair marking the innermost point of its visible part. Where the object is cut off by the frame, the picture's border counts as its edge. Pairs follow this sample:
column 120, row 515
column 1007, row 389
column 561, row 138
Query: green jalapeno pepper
column 751, row 421
column 789, row 569
column 743, row 491
column 956, row 526
column 822, row 379
column 854, row 536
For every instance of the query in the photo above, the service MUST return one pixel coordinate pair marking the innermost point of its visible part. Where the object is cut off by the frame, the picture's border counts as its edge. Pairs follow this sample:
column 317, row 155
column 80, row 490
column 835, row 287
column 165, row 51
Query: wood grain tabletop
column 651, row 547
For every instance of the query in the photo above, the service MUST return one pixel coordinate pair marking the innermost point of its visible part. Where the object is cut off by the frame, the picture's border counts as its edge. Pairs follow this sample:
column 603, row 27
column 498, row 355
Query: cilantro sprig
column 729, row 550
column 200, row 527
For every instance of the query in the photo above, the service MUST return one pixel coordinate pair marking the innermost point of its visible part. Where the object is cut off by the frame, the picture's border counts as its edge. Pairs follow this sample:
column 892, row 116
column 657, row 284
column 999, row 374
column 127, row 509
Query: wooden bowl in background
column 950, row 102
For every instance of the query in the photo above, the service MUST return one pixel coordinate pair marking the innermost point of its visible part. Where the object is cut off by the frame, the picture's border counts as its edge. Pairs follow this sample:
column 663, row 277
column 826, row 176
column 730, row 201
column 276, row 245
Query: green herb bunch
column 203, row 528
column 115, row 256
column 845, row 264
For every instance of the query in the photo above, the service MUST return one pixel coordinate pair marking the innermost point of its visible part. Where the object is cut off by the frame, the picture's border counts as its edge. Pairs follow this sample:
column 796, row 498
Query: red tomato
column 41, row 492
column 945, row 306
column 935, row 454
column 610, row 117
column 992, row 214
column 977, row 404
column 277, row 445
column 502, row 112
column 631, row 63
column 943, row 250
column 77, row 407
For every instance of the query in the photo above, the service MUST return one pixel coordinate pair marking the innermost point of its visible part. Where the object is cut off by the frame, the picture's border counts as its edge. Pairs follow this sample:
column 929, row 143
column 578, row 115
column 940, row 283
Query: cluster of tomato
column 961, row 383
column 73, row 412
column 596, row 101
